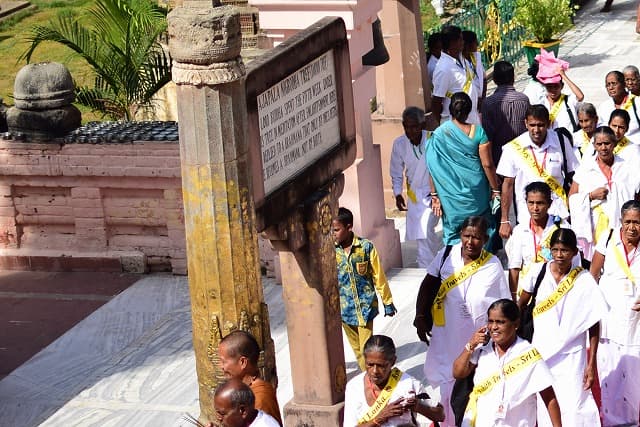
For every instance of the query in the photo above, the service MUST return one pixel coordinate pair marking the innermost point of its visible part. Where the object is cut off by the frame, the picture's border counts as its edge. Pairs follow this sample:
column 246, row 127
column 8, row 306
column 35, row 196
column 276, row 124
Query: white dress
column 408, row 161
column 625, row 183
column 264, row 420
column 560, row 334
column 355, row 402
column 465, row 309
column 619, row 350
column 517, row 392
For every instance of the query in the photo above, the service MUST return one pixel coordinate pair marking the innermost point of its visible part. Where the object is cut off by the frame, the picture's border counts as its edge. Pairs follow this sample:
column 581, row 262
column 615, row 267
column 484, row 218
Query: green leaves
column 544, row 19
column 120, row 43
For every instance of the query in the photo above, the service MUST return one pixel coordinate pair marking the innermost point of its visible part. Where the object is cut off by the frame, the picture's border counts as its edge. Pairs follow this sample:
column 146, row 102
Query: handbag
column 525, row 331
column 462, row 388
column 433, row 290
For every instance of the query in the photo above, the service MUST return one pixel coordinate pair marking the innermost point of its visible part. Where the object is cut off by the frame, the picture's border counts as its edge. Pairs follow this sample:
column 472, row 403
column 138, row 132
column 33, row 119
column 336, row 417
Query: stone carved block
column 205, row 44
column 43, row 86
column 43, row 93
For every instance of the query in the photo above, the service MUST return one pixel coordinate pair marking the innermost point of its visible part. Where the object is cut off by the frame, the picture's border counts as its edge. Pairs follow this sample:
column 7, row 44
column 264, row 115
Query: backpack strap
column 562, row 133
column 576, row 127
column 543, row 270
column 445, row 254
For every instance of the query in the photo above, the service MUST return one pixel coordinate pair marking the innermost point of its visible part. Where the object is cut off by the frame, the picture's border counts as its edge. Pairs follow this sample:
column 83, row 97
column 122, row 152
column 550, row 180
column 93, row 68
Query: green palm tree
column 119, row 41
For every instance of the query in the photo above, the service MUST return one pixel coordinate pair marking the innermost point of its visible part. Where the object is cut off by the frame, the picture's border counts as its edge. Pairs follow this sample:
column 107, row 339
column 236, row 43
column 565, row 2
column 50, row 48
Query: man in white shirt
column 408, row 164
column 451, row 76
column 234, row 405
column 534, row 156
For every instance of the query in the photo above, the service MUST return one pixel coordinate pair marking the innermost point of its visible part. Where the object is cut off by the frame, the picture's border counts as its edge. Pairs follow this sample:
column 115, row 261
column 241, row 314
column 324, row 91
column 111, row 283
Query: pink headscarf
column 547, row 67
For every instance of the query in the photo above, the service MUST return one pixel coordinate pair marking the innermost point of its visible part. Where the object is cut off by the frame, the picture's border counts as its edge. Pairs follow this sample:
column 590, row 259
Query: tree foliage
column 119, row 41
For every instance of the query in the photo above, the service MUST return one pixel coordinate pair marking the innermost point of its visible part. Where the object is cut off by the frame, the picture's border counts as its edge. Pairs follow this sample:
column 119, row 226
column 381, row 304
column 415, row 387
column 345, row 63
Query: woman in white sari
column 508, row 373
column 384, row 395
column 616, row 265
column 599, row 188
column 568, row 305
column 472, row 279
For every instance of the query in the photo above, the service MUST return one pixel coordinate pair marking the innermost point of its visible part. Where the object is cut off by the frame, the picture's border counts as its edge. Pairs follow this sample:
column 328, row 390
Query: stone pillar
column 280, row 19
column 222, row 251
column 310, row 291
column 402, row 81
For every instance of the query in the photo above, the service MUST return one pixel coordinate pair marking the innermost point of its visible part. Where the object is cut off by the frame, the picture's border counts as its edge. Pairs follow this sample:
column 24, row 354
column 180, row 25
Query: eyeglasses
column 612, row 84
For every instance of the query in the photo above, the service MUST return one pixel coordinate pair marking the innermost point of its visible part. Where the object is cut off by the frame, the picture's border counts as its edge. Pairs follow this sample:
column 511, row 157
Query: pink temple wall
column 85, row 206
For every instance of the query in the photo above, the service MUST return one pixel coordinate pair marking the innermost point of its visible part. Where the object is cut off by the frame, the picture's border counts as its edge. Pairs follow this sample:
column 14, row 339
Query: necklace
column 372, row 388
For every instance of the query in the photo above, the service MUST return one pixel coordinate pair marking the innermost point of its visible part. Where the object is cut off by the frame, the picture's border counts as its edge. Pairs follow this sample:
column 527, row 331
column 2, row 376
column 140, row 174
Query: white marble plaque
column 299, row 122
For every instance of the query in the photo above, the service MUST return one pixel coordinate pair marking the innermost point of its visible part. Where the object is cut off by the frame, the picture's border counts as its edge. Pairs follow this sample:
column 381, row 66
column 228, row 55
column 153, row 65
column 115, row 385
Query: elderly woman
column 619, row 349
column 568, row 305
column 583, row 138
column 384, row 395
column 496, row 352
column 620, row 98
column 461, row 166
column 472, row 279
column 599, row 188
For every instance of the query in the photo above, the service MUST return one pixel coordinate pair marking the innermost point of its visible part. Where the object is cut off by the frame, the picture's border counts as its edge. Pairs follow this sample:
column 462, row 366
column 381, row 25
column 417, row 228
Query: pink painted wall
column 83, row 200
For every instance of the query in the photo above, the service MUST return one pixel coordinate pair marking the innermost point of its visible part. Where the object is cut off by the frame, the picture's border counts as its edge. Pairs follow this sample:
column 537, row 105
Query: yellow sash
column 516, row 365
column 556, row 187
column 383, row 398
column 629, row 102
column 555, row 109
column 621, row 145
column 411, row 194
column 563, row 288
column 602, row 222
column 623, row 263
column 437, row 311
column 467, row 83
column 586, row 143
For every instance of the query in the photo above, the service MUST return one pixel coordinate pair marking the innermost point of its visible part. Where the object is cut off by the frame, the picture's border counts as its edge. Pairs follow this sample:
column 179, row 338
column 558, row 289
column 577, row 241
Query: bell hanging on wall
column 379, row 54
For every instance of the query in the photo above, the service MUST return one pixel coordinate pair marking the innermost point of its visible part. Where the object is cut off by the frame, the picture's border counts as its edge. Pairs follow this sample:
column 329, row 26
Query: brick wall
column 104, row 201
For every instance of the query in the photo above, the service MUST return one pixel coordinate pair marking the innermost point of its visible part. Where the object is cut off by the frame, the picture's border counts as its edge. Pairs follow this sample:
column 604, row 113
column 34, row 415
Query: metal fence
column 492, row 21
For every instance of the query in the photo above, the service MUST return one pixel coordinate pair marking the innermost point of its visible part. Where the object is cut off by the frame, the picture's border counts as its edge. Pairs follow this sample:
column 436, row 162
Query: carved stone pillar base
column 312, row 415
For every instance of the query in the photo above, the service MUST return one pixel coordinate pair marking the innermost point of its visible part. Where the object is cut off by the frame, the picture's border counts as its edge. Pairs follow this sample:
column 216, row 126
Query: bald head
column 241, row 343
column 234, row 403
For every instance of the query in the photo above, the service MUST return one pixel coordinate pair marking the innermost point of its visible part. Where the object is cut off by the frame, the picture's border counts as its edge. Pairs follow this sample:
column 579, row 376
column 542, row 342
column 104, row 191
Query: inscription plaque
column 298, row 121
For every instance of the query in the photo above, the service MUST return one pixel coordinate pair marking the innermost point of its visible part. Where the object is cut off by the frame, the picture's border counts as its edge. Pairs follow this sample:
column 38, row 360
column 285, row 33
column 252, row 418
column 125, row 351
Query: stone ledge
column 49, row 260
column 8, row 8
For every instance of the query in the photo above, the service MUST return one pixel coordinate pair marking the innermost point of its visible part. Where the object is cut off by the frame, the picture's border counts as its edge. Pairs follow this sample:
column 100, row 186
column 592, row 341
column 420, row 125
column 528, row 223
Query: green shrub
column 544, row 19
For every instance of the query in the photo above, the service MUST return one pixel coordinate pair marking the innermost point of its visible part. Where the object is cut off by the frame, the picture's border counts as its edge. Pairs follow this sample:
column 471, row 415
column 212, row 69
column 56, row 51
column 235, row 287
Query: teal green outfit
column 454, row 162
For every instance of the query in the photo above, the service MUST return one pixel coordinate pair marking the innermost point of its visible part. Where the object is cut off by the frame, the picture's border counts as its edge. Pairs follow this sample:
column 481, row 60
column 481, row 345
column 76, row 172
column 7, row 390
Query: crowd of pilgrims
column 551, row 181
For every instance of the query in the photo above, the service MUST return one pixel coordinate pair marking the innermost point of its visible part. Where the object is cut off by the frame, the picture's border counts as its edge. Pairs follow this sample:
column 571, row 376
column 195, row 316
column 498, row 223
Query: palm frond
column 120, row 43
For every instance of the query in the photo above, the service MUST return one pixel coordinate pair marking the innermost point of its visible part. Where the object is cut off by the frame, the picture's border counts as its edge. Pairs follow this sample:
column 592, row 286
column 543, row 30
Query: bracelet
column 467, row 347
column 505, row 222
column 496, row 191
column 433, row 194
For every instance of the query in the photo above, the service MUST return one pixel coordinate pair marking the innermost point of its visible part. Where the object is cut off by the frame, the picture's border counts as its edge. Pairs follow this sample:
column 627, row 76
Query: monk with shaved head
column 239, row 353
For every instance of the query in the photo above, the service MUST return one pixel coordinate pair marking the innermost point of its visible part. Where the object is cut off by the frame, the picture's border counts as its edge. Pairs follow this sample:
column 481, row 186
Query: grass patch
column 13, row 32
